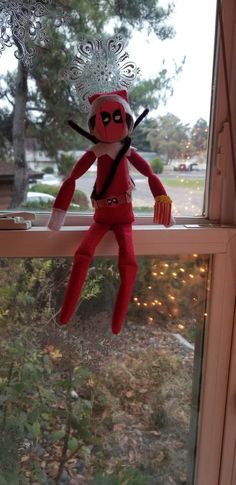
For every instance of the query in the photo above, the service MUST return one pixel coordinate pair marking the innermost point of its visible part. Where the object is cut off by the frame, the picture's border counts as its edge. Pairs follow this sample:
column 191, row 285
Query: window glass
column 174, row 137
column 82, row 405
column 173, row 49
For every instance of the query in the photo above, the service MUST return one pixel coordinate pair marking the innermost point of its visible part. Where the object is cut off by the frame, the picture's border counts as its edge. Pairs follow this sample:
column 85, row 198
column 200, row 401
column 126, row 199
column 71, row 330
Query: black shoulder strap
column 82, row 132
column 140, row 118
column 120, row 155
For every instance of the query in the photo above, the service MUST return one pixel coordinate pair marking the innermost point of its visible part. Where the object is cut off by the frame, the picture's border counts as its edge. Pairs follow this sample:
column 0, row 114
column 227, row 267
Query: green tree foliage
column 157, row 165
column 65, row 164
column 50, row 101
column 140, row 135
column 169, row 137
column 140, row 14
column 44, row 104
column 48, row 170
column 199, row 136
column 35, row 395
column 164, row 288
column 149, row 93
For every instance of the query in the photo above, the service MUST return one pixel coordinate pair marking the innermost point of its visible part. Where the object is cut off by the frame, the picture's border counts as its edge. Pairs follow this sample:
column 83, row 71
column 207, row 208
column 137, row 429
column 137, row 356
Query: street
column 187, row 201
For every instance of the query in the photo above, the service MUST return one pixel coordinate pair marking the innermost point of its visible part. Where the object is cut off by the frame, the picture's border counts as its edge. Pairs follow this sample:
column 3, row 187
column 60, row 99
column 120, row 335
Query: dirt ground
column 141, row 384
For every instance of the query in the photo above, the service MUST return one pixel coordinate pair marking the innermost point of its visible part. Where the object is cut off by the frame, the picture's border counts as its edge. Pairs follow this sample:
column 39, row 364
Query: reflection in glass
column 85, row 406
column 38, row 150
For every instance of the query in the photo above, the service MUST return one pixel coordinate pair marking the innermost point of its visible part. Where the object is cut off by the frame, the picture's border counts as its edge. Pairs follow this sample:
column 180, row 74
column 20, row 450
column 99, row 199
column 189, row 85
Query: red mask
column 110, row 122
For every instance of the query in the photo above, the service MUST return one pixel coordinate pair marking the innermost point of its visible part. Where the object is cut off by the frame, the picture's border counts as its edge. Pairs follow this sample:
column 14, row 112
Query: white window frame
column 215, row 235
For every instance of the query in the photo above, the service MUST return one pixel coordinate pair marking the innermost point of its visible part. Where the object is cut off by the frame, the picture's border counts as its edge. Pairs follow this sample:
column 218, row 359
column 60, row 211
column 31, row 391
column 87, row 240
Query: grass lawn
column 183, row 183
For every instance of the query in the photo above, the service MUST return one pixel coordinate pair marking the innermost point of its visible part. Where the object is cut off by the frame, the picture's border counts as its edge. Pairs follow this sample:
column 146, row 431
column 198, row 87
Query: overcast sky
column 194, row 23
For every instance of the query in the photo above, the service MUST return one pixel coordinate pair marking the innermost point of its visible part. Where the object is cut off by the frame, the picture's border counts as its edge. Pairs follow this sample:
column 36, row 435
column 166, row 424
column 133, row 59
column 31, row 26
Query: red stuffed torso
column 114, row 213
column 105, row 154
column 121, row 180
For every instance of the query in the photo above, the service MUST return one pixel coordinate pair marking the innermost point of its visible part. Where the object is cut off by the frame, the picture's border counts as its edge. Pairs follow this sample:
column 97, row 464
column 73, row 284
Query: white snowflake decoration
column 100, row 65
column 23, row 24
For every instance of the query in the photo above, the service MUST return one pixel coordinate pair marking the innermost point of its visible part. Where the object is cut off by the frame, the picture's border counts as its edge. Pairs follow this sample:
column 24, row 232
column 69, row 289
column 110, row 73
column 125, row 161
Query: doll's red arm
column 67, row 189
column 144, row 168
column 162, row 208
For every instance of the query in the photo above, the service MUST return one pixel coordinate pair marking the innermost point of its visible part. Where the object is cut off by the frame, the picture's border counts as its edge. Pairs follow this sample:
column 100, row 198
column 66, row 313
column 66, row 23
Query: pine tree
column 42, row 105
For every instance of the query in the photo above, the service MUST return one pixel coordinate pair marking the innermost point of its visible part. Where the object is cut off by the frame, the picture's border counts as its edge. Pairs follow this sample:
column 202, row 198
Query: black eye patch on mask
column 106, row 117
column 117, row 117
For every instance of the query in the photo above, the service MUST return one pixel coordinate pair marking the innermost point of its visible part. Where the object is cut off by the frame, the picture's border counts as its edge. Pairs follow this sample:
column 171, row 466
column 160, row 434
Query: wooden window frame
column 214, row 235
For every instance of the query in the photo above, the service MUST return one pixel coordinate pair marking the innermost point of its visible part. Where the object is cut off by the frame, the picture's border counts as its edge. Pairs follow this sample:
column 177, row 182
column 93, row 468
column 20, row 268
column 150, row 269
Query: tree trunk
column 18, row 136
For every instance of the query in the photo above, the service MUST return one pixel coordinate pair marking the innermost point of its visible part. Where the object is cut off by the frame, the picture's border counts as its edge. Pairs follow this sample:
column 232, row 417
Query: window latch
column 221, row 148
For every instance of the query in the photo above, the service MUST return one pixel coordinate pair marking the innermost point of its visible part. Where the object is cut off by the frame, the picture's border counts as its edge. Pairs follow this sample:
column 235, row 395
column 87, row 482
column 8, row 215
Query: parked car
column 185, row 166
column 42, row 198
column 39, row 197
column 196, row 163
column 201, row 166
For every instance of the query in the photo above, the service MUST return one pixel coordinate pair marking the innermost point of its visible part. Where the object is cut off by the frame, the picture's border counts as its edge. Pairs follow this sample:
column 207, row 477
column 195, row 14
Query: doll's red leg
column 128, row 269
column 79, row 270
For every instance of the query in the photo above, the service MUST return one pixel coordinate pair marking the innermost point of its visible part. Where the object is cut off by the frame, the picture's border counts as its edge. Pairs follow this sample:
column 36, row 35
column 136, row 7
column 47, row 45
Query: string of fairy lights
column 187, row 194
column 189, row 275
column 191, row 200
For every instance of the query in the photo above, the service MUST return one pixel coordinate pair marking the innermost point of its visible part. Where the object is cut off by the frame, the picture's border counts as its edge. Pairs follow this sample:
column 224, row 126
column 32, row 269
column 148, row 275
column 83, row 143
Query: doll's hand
column 171, row 223
column 56, row 219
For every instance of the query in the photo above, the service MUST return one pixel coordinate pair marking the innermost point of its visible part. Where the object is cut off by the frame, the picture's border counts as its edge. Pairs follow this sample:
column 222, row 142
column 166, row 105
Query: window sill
column 86, row 219
column 148, row 239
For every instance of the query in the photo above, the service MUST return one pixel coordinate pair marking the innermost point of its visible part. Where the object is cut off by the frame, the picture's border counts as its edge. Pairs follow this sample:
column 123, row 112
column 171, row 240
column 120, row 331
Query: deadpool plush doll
column 110, row 123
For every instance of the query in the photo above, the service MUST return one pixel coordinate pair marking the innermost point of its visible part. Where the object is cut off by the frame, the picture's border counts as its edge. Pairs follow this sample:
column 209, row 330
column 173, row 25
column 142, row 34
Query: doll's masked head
column 110, row 118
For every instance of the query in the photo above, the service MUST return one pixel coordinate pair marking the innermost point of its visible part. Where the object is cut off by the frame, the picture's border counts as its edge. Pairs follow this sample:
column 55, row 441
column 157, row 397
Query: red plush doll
column 110, row 123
